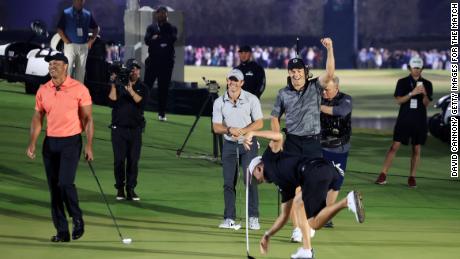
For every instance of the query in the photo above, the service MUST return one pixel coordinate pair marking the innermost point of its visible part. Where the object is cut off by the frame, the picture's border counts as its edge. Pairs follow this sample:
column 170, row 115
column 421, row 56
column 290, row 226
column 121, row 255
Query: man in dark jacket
column 254, row 74
column 160, row 37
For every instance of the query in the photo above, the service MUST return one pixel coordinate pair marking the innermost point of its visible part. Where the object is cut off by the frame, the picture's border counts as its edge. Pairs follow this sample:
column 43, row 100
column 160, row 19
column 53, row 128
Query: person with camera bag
column 413, row 94
column 233, row 114
column 336, row 109
column 127, row 101
column 160, row 37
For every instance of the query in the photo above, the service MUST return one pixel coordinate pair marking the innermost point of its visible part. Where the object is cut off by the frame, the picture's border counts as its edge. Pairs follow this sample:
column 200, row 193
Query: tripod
column 217, row 142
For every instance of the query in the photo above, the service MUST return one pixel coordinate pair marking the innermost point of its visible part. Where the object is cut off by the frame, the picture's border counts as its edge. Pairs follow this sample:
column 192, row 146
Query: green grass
column 372, row 90
column 182, row 200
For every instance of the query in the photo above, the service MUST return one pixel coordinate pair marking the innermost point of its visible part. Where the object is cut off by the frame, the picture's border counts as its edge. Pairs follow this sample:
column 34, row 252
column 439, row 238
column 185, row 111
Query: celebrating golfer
column 314, row 176
column 67, row 106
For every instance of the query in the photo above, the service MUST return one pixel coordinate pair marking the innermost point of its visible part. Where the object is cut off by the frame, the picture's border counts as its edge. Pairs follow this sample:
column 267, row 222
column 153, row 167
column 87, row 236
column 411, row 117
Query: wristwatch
column 409, row 94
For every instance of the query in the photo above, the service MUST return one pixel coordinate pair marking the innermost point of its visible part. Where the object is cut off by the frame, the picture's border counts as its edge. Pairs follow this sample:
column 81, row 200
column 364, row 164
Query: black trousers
column 307, row 146
column 162, row 71
column 61, row 156
column 126, row 143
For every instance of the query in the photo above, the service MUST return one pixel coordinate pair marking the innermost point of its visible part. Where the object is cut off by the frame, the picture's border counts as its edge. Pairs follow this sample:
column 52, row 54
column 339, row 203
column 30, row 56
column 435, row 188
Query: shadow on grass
column 118, row 249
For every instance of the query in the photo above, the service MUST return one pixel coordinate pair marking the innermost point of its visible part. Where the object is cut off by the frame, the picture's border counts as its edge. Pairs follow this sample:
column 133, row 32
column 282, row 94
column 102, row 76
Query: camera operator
column 160, row 37
column 127, row 101
column 254, row 74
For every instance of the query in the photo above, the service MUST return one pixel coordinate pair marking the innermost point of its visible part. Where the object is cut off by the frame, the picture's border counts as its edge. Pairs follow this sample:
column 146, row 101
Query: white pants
column 76, row 54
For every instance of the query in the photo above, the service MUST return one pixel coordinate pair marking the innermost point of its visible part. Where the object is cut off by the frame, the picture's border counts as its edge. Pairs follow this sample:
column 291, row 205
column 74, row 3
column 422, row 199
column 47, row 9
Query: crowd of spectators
column 277, row 57
column 383, row 58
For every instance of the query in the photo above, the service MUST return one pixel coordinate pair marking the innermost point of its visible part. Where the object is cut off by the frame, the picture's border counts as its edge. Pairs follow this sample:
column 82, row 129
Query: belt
column 315, row 137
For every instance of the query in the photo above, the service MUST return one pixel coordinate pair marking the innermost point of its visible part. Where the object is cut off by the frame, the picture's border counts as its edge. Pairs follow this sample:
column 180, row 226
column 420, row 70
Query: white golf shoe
column 254, row 223
column 355, row 204
column 229, row 224
column 296, row 236
column 302, row 254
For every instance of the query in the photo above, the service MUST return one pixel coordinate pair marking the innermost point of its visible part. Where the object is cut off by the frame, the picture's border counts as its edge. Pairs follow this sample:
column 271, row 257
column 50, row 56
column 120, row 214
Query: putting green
column 182, row 201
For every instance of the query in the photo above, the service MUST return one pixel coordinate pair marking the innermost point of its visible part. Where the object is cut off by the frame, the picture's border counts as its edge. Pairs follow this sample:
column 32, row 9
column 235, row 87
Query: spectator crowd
column 278, row 57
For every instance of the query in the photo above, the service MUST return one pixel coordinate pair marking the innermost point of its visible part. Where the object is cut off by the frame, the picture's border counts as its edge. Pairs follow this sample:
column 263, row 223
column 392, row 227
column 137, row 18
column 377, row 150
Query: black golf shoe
column 61, row 237
column 329, row 224
column 131, row 195
column 78, row 229
column 121, row 194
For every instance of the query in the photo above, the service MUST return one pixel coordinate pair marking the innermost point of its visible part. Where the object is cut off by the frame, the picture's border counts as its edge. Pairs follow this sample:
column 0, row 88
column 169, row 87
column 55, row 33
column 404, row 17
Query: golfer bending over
column 314, row 176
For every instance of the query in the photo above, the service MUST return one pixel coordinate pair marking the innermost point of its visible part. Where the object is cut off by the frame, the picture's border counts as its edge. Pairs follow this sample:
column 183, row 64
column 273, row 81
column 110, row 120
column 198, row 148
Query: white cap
column 254, row 162
column 236, row 73
column 416, row 62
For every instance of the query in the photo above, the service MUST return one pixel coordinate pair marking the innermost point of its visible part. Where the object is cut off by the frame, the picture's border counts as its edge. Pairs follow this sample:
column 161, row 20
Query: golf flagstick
column 247, row 212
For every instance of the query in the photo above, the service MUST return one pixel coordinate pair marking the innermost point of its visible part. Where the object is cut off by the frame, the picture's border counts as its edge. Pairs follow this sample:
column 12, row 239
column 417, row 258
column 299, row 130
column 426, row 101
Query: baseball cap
column 245, row 48
column 57, row 56
column 254, row 162
column 296, row 63
column 130, row 63
column 161, row 9
column 235, row 73
column 416, row 62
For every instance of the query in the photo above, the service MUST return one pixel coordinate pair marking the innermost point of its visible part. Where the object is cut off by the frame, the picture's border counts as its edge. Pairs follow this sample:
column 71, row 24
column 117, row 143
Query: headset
column 308, row 74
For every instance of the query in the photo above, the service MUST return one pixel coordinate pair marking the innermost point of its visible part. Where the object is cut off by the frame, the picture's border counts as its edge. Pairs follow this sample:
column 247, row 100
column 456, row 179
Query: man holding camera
column 254, row 74
column 233, row 114
column 160, row 37
column 413, row 93
column 127, row 101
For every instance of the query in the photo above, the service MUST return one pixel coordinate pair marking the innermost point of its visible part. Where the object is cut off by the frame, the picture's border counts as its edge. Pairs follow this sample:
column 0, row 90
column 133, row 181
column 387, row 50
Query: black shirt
column 281, row 169
column 408, row 115
column 254, row 77
column 126, row 112
column 161, row 48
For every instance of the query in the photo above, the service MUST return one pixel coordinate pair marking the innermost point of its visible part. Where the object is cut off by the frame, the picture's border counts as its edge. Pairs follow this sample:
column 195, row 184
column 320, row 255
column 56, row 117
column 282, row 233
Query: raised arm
column 330, row 62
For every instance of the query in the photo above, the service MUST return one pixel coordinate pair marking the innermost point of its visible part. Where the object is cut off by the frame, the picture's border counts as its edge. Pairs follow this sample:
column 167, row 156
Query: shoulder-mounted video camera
column 212, row 85
column 121, row 72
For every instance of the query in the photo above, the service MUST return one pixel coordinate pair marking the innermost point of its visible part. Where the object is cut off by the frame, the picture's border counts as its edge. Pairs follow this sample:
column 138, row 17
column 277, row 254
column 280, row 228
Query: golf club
column 125, row 241
column 238, row 186
column 248, row 182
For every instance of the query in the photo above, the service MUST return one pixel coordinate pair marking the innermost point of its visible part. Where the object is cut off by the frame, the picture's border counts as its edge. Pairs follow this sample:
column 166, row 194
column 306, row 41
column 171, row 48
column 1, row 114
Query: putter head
column 250, row 257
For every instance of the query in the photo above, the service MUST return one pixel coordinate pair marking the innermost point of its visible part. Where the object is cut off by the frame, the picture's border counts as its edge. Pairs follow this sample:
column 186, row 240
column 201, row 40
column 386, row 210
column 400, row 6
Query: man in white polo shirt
column 234, row 114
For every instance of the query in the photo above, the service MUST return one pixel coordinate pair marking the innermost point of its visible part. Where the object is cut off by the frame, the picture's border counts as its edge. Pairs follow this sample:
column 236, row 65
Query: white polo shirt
column 246, row 110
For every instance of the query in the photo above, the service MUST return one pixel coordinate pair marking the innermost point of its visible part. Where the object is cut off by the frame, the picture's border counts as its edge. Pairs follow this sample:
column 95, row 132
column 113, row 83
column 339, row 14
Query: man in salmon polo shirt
column 66, row 103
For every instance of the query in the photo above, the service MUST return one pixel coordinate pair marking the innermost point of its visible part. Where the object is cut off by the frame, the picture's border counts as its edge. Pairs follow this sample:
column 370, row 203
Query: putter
column 247, row 214
column 125, row 241
column 238, row 226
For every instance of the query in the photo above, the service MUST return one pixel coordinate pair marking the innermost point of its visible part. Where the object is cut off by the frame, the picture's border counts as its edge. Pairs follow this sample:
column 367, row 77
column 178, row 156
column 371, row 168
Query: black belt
column 306, row 137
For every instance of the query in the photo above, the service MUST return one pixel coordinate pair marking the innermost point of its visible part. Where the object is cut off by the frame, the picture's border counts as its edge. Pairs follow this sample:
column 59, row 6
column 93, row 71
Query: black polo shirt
column 126, row 112
column 254, row 77
column 407, row 115
column 281, row 169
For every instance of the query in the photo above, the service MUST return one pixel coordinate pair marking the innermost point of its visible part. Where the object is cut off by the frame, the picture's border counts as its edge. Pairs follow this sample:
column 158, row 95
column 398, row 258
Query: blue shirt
column 76, row 24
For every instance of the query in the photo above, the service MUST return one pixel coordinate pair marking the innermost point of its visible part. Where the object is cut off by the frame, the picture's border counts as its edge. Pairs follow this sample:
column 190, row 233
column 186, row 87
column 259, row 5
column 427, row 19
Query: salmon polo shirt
column 61, row 106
